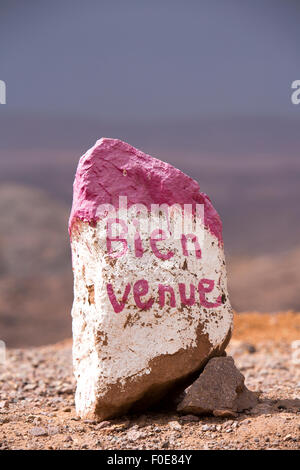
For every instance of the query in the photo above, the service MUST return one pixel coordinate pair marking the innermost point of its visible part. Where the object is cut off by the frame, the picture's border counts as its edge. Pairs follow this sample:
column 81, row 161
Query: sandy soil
column 37, row 400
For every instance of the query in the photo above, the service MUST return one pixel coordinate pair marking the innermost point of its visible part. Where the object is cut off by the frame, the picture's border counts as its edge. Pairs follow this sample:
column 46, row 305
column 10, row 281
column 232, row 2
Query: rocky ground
column 37, row 400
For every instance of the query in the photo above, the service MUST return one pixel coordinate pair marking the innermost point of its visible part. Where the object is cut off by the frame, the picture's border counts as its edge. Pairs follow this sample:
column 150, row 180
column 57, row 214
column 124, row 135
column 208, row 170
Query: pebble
column 103, row 424
column 38, row 431
column 134, row 435
column 175, row 425
column 4, row 404
column 190, row 418
column 205, row 427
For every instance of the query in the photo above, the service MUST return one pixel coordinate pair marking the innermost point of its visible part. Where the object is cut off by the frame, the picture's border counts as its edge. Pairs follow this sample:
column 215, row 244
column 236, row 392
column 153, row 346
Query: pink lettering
column 204, row 289
column 153, row 242
column 194, row 239
column 138, row 247
column 118, row 307
column 110, row 239
column 161, row 292
column 182, row 293
column 140, row 289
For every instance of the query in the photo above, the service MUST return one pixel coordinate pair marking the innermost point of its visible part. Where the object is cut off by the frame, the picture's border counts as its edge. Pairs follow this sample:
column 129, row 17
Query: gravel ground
column 37, row 400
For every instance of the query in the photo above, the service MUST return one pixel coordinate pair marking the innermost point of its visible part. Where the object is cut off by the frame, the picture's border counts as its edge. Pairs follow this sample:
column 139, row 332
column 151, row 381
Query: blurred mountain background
column 203, row 86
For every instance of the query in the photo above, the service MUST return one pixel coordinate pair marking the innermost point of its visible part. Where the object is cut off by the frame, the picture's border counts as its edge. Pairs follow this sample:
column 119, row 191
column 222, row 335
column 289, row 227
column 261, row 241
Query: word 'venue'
column 141, row 289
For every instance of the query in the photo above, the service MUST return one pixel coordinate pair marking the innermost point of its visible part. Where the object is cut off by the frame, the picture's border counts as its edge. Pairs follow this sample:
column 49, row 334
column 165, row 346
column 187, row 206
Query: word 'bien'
column 156, row 237
column 141, row 289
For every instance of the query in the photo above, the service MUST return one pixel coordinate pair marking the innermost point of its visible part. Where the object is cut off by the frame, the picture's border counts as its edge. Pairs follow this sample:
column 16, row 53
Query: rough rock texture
column 220, row 390
column 147, row 315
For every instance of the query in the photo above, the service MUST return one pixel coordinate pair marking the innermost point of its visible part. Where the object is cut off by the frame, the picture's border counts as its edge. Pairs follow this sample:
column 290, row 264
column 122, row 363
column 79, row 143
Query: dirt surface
column 37, row 400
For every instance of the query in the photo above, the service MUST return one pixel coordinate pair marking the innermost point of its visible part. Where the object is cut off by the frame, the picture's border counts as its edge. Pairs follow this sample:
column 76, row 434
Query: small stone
column 30, row 387
column 134, row 435
column 38, row 431
column 4, row 420
column 52, row 430
column 81, row 429
column 4, row 404
column 251, row 348
column 175, row 425
column 288, row 404
column 190, row 418
column 219, row 387
column 288, row 437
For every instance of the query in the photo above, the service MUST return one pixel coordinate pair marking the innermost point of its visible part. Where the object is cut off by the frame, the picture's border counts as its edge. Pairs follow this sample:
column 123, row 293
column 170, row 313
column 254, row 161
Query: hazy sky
column 149, row 60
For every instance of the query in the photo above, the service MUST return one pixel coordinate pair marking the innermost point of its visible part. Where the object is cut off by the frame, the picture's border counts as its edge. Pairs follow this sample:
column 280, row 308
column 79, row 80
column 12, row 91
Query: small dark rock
column 220, row 388
column 287, row 404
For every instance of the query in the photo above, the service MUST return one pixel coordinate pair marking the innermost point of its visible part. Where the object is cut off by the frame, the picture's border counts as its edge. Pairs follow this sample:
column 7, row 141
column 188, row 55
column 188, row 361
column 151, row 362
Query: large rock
column 152, row 308
column 220, row 390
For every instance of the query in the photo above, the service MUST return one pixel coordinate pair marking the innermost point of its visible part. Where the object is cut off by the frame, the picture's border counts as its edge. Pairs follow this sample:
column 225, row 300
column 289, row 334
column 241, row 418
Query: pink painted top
column 113, row 168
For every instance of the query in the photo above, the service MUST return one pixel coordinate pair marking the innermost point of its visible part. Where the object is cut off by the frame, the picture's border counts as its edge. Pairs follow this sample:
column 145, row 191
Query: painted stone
column 150, row 292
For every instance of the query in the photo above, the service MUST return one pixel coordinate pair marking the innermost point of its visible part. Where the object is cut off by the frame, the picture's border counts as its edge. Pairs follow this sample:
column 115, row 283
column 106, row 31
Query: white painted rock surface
column 149, row 310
